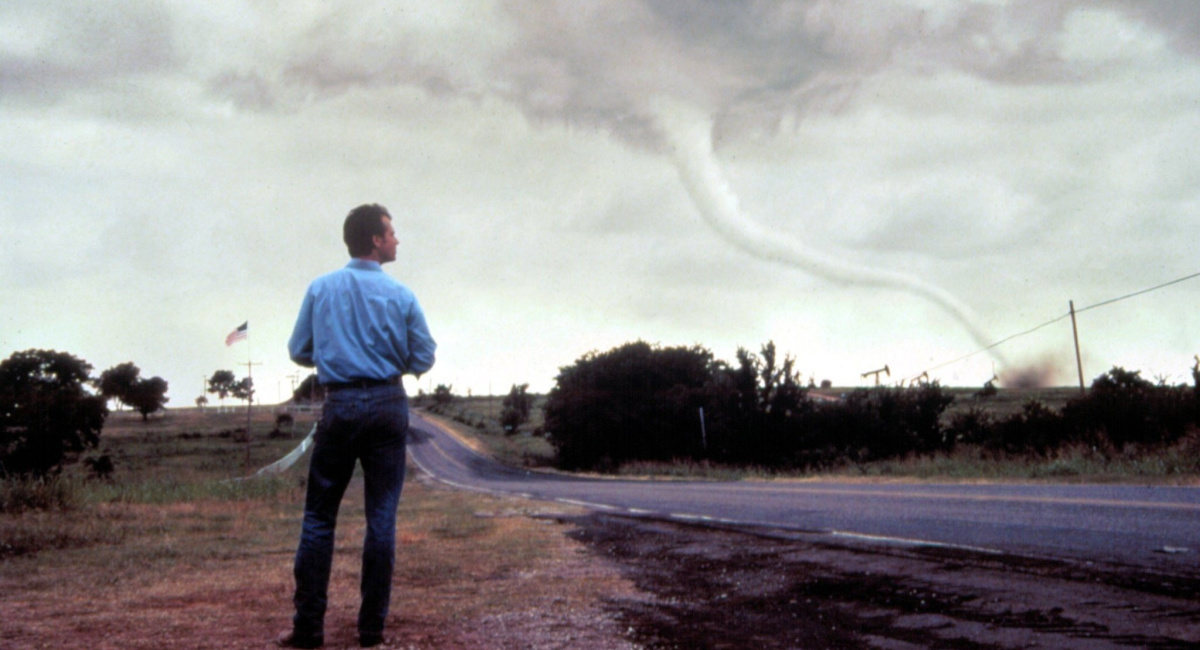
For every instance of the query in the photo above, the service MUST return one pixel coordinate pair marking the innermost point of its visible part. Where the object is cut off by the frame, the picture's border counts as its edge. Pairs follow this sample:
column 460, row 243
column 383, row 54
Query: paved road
column 1154, row 527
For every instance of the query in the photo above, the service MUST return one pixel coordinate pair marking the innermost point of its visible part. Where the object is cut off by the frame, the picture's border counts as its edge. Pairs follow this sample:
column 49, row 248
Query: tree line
column 52, row 408
column 641, row 402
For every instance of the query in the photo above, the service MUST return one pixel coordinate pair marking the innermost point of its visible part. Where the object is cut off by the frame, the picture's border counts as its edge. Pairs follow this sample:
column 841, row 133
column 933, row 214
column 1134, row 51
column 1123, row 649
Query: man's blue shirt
column 359, row 323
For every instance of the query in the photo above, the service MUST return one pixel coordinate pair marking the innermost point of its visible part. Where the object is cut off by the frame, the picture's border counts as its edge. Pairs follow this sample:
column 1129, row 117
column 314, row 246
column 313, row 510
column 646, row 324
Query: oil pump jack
column 875, row 373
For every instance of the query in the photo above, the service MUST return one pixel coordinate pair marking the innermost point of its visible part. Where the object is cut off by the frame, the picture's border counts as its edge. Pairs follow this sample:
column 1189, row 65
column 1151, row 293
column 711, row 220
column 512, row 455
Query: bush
column 887, row 422
column 1037, row 429
column 101, row 467
column 973, row 426
column 515, row 408
column 630, row 403
column 1122, row 408
column 45, row 414
column 22, row 494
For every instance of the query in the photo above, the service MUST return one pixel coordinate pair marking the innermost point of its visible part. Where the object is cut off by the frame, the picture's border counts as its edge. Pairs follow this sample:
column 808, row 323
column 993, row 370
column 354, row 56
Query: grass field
column 525, row 447
column 1008, row 401
column 170, row 553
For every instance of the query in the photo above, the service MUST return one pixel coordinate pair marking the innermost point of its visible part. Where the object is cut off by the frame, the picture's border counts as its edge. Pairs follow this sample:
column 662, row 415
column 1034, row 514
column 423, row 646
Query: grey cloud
column 68, row 45
column 752, row 65
column 377, row 47
column 1179, row 19
column 247, row 91
column 947, row 236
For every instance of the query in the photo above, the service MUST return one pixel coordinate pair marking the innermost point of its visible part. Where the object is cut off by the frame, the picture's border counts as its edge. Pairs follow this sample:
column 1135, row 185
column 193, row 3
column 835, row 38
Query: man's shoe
column 369, row 640
column 293, row 640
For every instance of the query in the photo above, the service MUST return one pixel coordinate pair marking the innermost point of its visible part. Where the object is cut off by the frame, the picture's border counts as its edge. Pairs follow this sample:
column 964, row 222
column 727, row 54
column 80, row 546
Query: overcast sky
column 864, row 183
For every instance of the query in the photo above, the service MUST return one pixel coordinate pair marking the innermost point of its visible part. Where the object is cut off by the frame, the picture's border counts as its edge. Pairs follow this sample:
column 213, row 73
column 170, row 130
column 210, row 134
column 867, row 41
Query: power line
column 1138, row 293
column 999, row 343
column 1052, row 321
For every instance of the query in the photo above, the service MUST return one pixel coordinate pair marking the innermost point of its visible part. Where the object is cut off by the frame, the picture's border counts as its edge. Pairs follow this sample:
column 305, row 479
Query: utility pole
column 249, row 406
column 1078, row 359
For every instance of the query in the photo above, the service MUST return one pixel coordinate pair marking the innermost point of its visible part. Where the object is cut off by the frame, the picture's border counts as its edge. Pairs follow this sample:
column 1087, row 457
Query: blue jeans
column 368, row 425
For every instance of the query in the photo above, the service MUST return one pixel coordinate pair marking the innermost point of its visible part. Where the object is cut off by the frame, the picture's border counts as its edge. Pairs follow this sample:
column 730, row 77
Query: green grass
column 1177, row 464
column 703, row 470
column 525, row 447
column 168, row 491
column 20, row 494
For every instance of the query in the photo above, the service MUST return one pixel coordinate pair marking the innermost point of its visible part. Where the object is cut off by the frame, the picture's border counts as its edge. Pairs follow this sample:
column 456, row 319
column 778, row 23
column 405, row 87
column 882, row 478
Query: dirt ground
column 705, row 588
column 597, row 582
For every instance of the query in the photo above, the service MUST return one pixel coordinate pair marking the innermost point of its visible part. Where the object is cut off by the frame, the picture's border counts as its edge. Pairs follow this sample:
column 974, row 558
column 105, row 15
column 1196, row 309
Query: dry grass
column 175, row 563
column 1178, row 464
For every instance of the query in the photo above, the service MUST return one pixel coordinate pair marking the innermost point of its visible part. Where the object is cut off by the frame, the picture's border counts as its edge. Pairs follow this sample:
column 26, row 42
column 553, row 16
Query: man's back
column 359, row 323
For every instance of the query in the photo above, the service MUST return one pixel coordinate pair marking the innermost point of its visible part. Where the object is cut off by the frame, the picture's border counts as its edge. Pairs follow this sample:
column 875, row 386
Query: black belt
column 360, row 383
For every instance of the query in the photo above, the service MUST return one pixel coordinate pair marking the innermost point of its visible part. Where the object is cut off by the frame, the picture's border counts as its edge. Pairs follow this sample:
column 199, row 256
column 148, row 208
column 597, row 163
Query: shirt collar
column 364, row 265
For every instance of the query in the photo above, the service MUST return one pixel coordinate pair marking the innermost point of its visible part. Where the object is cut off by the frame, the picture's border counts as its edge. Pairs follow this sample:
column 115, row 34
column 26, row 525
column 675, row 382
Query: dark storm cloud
column 1179, row 18
column 752, row 65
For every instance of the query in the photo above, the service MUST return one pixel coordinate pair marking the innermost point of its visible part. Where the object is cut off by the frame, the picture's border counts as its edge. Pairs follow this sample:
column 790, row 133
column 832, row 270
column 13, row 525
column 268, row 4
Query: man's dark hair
column 361, row 225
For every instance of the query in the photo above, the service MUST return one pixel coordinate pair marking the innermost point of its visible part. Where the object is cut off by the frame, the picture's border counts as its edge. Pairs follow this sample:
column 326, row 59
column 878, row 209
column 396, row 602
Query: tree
column 1122, row 408
column 117, row 382
column 201, row 402
column 243, row 389
column 221, row 384
column 757, row 407
column 443, row 394
column 123, row 383
column 634, row 402
column 45, row 413
column 147, row 396
column 515, row 407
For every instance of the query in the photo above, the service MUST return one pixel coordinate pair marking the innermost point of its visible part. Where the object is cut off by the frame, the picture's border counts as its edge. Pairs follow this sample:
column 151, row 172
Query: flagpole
column 242, row 332
column 249, row 398
column 249, row 404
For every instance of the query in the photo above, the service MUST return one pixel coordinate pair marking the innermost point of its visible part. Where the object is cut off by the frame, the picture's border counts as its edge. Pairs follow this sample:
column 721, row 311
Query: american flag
column 237, row 334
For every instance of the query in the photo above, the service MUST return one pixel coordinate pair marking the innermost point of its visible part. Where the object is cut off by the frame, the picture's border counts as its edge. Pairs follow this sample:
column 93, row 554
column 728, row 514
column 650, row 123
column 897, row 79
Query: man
column 362, row 331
